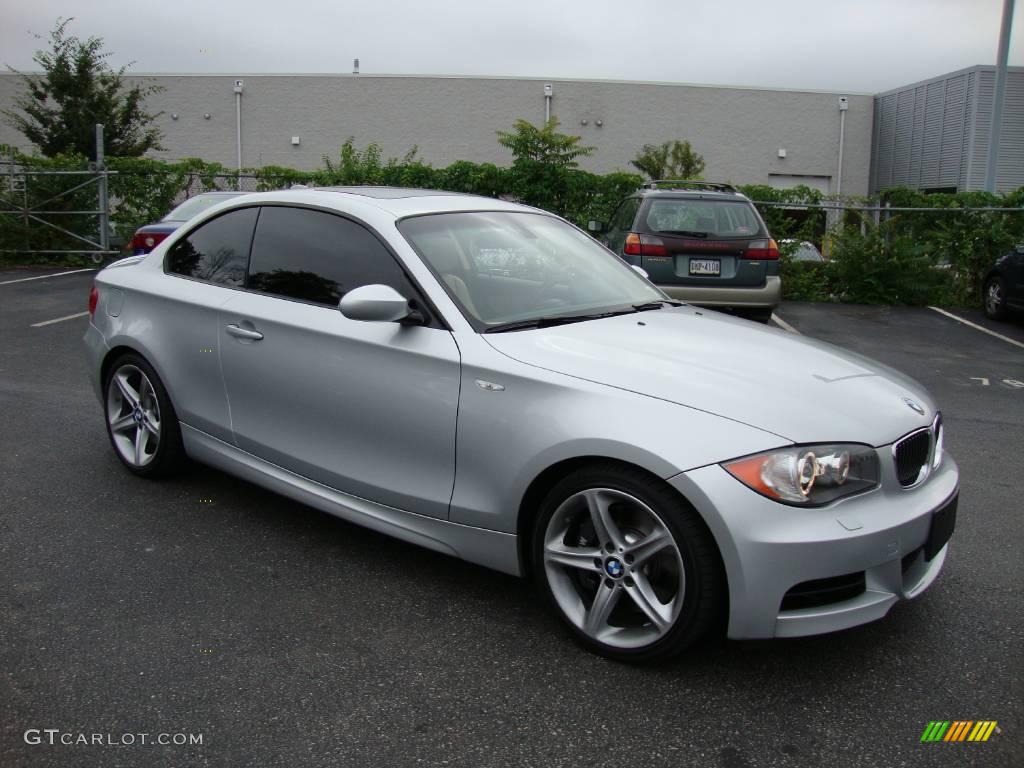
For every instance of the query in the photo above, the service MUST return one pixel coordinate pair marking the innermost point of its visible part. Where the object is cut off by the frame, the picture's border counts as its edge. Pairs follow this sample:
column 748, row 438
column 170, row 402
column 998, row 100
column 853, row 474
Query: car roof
column 690, row 189
column 396, row 201
column 219, row 193
column 692, row 194
column 389, row 193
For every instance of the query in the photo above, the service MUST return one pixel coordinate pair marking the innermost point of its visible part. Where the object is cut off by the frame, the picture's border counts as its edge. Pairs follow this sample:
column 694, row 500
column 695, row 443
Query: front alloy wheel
column 613, row 567
column 628, row 565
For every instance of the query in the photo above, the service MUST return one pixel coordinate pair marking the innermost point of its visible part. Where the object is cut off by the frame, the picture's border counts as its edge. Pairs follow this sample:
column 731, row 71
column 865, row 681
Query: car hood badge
column 913, row 405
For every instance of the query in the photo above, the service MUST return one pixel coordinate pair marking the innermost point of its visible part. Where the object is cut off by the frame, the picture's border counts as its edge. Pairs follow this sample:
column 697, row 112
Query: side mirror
column 1020, row 249
column 378, row 304
column 641, row 271
column 595, row 226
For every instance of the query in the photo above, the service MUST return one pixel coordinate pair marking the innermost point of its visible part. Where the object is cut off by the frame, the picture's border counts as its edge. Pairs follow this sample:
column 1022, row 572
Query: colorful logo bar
column 958, row 730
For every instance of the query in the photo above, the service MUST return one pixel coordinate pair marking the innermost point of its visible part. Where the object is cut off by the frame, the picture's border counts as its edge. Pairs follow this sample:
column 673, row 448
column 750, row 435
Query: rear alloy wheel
column 995, row 298
column 141, row 422
column 627, row 564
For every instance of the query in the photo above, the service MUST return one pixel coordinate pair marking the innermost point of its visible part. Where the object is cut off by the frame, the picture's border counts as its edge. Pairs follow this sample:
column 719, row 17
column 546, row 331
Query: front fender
column 507, row 438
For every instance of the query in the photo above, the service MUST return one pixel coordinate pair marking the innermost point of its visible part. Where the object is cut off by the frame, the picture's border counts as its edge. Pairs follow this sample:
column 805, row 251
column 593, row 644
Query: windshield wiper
column 551, row 320
column 685, row 232
column 658, row 304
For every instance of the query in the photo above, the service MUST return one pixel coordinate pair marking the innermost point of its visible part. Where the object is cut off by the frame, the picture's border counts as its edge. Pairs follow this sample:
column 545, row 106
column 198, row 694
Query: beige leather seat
column 445, row 255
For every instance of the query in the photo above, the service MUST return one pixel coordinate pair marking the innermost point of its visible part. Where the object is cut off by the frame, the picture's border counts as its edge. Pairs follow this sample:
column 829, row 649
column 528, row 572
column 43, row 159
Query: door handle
column 244, row 333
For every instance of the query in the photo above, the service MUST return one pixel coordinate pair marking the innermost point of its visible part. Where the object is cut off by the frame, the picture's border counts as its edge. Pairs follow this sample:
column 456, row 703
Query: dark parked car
column 1004, row 285
column 701, row 242
column 148, row 237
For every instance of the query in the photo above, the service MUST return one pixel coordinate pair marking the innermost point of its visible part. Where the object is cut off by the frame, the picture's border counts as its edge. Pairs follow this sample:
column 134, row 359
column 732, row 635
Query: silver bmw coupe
column 486, row 380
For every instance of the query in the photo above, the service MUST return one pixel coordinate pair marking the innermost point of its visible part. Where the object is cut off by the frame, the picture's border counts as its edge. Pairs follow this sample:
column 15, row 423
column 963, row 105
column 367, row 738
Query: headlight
column 809, row 475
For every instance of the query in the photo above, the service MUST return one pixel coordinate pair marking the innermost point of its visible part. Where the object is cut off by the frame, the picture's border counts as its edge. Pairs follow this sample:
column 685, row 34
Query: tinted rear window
column 697, row 217
column 217, row 251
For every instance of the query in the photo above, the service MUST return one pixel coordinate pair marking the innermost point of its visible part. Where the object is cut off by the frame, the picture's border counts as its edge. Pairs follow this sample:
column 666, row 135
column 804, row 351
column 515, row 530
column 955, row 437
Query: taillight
column 643, row 245
column 762, row 249
column 94, row 297
column 144, row 242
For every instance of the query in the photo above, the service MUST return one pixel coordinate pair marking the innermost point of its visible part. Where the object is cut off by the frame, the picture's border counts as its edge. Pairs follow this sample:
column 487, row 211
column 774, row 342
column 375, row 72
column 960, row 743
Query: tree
column 76, row 90
column 530, row 144
column 671, row 160
column 543, row 170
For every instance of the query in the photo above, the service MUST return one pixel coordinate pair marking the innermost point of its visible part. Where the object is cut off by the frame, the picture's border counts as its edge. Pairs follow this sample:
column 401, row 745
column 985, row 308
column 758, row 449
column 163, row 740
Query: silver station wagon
column 486, row 380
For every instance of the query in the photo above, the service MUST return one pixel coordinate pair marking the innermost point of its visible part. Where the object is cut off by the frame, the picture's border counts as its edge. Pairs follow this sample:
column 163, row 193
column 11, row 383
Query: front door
column 366, row 408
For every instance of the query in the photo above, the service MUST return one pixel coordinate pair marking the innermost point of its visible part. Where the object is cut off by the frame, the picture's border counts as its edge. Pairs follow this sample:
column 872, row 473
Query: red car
column 148, row 237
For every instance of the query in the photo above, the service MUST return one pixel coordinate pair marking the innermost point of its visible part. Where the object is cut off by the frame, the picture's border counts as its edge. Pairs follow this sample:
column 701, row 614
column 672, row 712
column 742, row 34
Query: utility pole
column 998, row 96
column 104, row 200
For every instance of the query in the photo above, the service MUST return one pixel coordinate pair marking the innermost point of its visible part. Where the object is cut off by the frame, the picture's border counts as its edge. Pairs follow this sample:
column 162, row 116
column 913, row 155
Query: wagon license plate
column 705, row 267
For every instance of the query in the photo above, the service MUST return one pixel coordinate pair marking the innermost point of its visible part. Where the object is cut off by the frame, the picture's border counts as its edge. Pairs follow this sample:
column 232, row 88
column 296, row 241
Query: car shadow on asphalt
column 510, row 606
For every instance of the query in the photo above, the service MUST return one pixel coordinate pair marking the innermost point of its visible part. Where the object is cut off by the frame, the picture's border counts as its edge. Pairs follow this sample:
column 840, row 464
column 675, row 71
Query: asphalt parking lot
column 284, row 636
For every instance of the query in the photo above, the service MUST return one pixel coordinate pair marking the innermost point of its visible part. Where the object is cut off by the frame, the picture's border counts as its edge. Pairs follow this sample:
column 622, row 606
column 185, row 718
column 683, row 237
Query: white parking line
column 784, row 325
column 977, row 327
column 59, row 320
column 43, row 277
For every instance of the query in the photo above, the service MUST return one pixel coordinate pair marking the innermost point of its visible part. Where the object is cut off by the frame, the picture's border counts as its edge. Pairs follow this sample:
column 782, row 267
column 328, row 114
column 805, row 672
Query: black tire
column 169, row 454
column 757, row 315
column 993, row 298
column 705, row 601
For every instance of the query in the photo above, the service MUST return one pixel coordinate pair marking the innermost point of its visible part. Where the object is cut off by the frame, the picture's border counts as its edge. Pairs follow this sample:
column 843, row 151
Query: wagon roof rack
column 688, row 184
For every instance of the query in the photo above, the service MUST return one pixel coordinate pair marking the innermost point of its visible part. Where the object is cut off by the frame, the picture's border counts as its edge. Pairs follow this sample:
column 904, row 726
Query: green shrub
column 804, row 280
column 882, row 265
column 912, row 257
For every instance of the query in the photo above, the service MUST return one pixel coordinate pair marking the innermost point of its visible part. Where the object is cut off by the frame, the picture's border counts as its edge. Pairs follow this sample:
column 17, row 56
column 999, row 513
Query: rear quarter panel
column 172, row 322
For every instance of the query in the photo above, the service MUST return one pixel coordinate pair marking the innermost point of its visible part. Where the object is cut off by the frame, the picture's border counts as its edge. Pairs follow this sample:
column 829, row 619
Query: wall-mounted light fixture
column 295, row 141
column 782, row 152
column 206, row 116
column 599, row 123
column 174, row 116
column 583, row 121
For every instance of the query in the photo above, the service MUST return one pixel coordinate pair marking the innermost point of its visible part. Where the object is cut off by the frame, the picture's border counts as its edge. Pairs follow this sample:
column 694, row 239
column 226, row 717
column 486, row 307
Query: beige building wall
column 739, row 131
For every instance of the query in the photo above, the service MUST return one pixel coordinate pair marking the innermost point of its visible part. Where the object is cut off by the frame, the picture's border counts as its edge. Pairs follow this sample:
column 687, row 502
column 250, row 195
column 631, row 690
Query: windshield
column 196, row 205
column 807, row 252
column 503, row 267
column 706, row 218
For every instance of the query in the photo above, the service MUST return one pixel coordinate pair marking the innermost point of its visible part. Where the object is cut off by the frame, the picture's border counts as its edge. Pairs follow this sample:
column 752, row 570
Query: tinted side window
column 218, row 251
column 622, row 219
column 318, row 257
column 621, row 223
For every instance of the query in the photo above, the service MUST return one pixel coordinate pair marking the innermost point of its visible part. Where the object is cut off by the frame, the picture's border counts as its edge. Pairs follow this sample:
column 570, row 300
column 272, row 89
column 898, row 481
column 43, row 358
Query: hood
column 803, row 390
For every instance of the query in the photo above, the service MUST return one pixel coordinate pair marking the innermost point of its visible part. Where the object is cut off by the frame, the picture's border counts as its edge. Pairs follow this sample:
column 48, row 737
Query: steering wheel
column 554, row 277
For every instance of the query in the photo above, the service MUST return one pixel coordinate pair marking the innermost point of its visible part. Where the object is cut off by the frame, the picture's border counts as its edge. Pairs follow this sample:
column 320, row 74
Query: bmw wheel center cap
column 613, row 567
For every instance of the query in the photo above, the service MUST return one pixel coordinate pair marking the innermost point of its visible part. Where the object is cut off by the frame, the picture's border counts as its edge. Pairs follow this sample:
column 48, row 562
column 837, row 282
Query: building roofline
column 553, row 80
column 940, row 78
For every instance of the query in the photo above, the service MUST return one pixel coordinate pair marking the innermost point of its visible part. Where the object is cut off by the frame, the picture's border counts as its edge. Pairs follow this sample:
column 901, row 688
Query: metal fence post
column 104, row 200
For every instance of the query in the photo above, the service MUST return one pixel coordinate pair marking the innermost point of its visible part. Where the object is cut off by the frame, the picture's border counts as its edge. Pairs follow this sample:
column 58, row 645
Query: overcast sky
column 846, row 45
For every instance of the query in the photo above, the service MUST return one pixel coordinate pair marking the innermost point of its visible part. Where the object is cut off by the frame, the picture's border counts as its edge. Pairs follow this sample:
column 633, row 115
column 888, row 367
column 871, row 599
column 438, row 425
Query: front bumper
column 769, row 548
column 768, row 296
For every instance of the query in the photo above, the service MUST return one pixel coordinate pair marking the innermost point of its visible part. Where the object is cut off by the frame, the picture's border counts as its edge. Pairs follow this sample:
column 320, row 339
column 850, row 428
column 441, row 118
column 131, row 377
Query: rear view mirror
column 641, row 271
column 377, row 304
column 595, row 226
